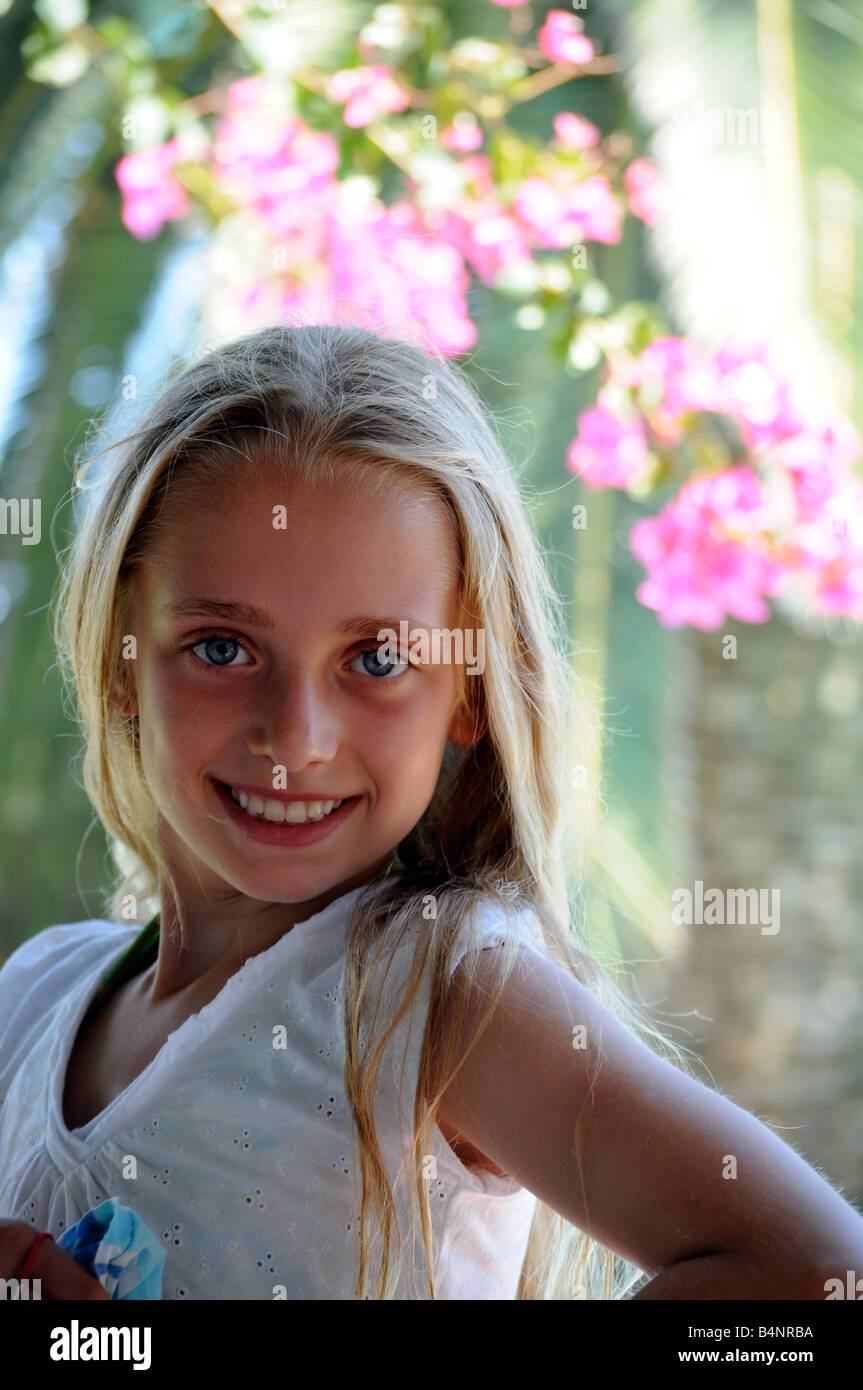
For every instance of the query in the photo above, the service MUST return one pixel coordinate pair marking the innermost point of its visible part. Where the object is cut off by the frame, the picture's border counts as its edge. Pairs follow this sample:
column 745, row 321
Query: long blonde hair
column 307, row 403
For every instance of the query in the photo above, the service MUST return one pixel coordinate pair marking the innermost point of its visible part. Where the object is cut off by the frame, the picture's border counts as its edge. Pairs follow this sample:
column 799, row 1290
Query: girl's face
column 256, row 673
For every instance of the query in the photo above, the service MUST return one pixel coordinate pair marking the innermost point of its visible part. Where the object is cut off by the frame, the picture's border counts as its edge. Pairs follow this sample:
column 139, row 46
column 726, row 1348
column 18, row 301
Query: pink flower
column 353, row 260
column 433, row 279
column 543, row 207
column 366, row 92
column 705, row 555
column 258, row 133
column 563, row 212
column 825, row 540
column 247, row 91
column 476, row 168
column 648, row 195
column 673, row 379
column 151, row 194
column 274, row 166
column 823, row 451
column 834, row 437
column 509, row 4
column 840, row 589
column 489, row 239
column 755, row 394
column 828, row 553
column 561, row 41
column 574, row 132
column 607, row 452
column 596, row 209
column 734, row 538
column 462, row 138
column 271, row 161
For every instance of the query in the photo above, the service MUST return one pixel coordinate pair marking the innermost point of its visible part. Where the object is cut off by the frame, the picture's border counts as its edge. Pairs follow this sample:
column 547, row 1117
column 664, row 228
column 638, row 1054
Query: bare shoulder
column 651, row 1162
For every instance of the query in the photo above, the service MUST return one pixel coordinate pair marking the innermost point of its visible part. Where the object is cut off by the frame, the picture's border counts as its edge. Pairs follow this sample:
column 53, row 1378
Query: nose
column 293, row 725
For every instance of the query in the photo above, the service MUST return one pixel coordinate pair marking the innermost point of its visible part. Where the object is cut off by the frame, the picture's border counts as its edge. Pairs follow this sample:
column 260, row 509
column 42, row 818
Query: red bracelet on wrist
column 31, row 1254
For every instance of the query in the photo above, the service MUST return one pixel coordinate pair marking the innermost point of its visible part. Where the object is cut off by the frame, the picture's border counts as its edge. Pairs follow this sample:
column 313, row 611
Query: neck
column 205, row 942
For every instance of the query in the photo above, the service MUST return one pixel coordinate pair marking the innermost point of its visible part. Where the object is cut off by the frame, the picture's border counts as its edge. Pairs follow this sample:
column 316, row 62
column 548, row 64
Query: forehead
column 310, row 554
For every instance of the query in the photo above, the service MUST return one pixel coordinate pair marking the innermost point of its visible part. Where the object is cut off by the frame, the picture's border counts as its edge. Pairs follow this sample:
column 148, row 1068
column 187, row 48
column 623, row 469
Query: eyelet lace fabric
column 235, row 1144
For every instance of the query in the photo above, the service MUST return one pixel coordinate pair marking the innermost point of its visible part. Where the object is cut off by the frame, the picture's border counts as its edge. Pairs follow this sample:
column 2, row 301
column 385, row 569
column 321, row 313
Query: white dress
column 235, row 1143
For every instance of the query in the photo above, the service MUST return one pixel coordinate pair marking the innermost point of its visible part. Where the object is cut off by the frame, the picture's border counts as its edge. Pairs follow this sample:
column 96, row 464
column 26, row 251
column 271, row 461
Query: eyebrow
column 246, row 613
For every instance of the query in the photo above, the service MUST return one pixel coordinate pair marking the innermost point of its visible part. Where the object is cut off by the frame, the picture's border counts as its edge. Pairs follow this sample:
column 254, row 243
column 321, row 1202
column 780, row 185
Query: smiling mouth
column 283, row 812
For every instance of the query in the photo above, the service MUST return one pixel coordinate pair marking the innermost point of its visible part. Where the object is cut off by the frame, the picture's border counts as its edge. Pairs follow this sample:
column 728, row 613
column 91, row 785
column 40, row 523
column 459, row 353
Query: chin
column 299, row 887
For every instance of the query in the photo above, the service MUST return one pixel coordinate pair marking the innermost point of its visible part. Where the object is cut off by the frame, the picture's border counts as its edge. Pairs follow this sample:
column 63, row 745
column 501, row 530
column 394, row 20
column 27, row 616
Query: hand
column 62, row 1278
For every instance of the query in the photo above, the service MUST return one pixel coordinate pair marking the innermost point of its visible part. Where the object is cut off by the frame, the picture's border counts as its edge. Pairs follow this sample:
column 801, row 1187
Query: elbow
column 811, row 1264
column 804, row 1281
column 835, row 1268
column 840, row 1278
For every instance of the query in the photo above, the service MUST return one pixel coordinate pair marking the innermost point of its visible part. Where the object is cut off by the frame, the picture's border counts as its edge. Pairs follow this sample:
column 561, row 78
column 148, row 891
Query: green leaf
column 60, row 66
column 122, row 36
column 62, row 15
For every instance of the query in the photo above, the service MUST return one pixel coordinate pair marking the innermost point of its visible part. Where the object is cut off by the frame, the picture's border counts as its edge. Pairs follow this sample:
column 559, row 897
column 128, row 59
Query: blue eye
column 381, row 670
column 223, row 650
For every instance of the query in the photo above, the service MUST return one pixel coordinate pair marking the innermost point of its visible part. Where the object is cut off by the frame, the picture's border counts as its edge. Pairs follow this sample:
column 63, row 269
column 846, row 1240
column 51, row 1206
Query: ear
column 463, row 726
column 123, row 692
column 129, row 706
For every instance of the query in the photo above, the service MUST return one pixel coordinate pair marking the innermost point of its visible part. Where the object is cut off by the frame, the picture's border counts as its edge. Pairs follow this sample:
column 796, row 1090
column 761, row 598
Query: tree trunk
column 770, row 764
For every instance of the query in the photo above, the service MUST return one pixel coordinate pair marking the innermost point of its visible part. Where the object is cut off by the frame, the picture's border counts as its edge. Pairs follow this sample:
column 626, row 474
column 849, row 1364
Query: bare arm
column 61, row 1277
column 658, row 1149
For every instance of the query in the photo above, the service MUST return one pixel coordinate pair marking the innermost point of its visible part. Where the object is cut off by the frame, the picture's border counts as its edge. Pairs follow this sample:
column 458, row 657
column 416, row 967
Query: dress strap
column 140, row 953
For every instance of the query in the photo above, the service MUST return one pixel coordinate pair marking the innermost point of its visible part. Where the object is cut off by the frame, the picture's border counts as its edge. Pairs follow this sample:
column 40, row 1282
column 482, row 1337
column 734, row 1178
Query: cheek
column 176, row 722
column 410, row 740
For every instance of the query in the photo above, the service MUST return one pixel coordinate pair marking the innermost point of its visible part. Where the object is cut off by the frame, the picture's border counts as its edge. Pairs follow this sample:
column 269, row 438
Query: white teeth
column 284, row 812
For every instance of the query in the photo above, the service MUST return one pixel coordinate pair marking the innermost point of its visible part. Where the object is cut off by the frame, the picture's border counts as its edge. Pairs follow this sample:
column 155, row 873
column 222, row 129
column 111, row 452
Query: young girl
column 358, row 1051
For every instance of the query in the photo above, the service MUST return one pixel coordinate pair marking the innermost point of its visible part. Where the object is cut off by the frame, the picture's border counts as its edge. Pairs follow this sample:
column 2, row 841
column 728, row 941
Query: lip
column 270, row 832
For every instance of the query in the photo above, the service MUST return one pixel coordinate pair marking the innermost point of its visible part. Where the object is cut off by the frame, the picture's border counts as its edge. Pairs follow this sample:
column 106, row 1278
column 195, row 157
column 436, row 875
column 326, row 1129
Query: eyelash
column 230, row 637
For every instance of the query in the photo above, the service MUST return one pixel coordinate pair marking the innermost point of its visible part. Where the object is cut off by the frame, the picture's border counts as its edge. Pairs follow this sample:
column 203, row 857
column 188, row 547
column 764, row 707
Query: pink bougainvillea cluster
column 786, row 514
column 398, row 264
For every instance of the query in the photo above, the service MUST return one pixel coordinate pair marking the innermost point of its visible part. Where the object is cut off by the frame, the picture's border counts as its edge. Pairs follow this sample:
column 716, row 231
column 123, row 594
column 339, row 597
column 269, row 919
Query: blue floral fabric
column 118, row 1249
